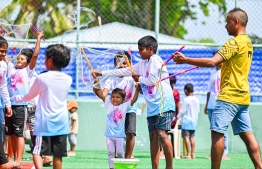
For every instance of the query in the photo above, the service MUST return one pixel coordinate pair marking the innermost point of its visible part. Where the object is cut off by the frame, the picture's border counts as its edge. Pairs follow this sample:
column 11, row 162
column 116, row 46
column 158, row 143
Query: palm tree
column 45, row 14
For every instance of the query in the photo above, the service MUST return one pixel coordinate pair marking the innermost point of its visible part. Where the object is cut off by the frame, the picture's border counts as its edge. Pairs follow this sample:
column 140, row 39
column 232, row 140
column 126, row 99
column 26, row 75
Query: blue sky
column 215, row 24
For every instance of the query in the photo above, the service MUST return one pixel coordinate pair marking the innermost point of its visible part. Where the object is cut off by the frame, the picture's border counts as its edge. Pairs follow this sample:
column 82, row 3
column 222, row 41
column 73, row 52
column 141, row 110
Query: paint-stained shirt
column 116, row 115
column 18, row 82
column 159, row 96
column 125, row 83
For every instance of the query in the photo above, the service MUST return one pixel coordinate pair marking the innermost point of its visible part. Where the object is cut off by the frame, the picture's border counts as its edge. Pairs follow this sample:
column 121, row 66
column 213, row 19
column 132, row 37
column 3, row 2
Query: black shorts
column 30, row 121
column 16, row 123
column 160, row 122
column 130, row 123
column 51, row 145
column 188, row 133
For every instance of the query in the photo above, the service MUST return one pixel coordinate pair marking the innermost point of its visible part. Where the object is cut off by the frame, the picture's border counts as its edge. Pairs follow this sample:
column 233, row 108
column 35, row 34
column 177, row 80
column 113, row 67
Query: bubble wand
column 130, row 66
column 89, row 64
column 183, row 71
column 179, row 50
column 131, row 69
column 35, row 29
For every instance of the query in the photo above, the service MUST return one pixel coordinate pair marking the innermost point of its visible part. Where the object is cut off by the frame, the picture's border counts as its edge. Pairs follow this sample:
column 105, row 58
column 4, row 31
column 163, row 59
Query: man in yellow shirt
column 234, row 96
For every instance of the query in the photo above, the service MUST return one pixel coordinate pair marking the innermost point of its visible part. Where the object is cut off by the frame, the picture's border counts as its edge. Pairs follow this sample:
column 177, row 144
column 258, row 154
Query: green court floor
column 98, row 160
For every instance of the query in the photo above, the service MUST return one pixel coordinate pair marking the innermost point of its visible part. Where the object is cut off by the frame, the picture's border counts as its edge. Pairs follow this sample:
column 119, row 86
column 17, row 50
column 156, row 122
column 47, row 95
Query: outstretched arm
column 36, row 51
column 99, row 92
column 179, row 58
column 136, row 94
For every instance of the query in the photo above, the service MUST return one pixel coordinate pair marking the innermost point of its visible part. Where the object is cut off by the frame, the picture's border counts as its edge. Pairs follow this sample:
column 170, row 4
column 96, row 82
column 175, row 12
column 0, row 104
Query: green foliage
column 255, row 39
column 173, row 13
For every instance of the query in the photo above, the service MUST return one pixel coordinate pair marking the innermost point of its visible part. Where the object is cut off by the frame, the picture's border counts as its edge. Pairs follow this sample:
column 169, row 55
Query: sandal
column 186, row 157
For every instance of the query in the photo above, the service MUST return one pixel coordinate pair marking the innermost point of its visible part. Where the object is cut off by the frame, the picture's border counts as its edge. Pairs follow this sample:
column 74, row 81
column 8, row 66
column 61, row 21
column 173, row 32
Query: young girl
column 18, row 83
column 127, row 84
column 116, row 114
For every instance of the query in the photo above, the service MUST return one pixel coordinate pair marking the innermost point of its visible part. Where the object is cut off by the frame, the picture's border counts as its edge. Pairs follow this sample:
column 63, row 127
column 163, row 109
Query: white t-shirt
column 189, row 113
column 213, row 88
column 125, row 83
column 51, row 116
column 3, row 84
column 159, row 98
column 18, row 82
column 74, row 117
column 33, row 102
column 116, row 115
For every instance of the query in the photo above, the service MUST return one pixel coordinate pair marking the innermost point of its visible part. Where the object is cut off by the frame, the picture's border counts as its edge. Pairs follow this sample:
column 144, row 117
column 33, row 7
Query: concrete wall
column 92, row 119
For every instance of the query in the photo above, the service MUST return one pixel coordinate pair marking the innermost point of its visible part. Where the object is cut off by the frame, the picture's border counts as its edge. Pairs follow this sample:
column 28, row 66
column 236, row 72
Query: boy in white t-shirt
column 189, row 113
column 116, row 113
column 51, row 127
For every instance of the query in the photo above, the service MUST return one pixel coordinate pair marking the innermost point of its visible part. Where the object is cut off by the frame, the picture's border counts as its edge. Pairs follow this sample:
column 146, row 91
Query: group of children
column 159, row 99
column 19, row 88
column 48, row 111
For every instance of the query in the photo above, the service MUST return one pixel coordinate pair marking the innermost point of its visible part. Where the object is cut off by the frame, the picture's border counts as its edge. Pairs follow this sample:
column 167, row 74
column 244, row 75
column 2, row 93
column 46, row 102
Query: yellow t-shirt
column 237, row 54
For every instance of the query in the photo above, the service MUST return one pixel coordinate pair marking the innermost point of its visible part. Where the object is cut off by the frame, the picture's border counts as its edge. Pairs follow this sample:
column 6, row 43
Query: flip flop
column 186, row 157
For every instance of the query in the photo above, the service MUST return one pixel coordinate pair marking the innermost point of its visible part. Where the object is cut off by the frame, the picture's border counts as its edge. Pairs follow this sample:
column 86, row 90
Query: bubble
column 86, row 13
column 5, row 28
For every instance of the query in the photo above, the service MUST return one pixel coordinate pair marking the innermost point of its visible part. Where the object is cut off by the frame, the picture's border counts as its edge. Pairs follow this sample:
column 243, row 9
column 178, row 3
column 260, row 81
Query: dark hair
column 148, row 41
column 28, row 53
column 3, row 42
column 120, row 55
column 241, row 15
column 121, row 92
column 173, row 80
column 60, row 55
column 44, row 71
column 189, row 87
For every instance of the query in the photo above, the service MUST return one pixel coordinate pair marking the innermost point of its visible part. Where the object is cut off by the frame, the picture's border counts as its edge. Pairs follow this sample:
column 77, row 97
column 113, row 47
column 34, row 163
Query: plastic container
column 122, row 163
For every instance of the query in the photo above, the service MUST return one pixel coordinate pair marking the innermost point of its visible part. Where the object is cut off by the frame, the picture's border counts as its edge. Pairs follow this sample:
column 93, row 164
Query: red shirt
column 176, row 98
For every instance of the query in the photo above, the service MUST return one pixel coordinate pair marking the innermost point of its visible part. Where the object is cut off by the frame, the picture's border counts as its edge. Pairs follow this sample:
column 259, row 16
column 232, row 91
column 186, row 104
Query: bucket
column 122, row 163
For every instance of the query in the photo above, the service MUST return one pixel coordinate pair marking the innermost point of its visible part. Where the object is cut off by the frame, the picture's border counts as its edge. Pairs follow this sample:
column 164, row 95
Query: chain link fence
column 198, row 24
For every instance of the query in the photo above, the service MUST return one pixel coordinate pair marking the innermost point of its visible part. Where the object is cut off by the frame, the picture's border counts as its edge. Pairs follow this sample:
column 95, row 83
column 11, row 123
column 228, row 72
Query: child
column 31, row 120
column 116, row 114
column 127, row 84
column 72, row 108
column 6, row 99
column 177, row 100
column 159, row 98
column 51, row 127
column 18, row 83
column 189, row 113
column 178, row 105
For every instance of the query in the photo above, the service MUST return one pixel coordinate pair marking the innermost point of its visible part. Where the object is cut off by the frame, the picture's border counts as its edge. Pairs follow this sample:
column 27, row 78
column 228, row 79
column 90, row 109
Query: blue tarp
column 198, row 77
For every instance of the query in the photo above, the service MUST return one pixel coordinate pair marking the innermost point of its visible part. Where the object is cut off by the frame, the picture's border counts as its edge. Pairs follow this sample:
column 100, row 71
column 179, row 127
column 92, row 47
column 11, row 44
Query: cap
column 72, row 104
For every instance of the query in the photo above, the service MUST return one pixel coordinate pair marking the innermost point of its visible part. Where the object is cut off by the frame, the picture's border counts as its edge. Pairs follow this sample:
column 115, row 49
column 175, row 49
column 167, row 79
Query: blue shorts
column 225, row 113
column 160, row 122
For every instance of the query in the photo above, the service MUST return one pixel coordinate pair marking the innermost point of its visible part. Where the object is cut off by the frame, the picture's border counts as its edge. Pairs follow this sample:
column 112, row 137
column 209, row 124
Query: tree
column 51, row 16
